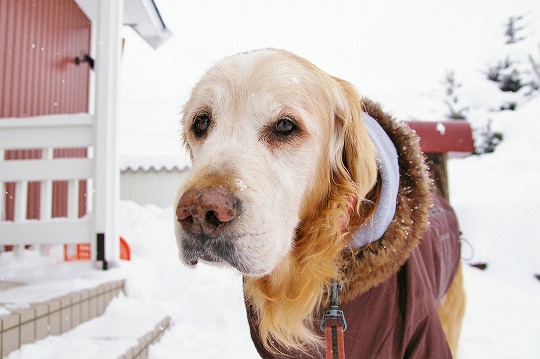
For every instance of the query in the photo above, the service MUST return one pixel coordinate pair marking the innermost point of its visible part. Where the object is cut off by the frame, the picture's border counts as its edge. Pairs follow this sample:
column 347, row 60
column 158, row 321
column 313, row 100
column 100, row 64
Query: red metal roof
column 447, row 136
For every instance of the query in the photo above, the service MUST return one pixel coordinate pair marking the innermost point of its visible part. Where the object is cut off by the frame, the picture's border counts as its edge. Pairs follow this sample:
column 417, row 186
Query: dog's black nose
column 204, row 212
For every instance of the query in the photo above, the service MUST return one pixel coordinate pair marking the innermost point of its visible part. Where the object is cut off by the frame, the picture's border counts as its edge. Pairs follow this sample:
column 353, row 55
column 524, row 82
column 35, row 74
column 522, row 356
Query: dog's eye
column 201, row 122
column 285, row 126
column 286, row 130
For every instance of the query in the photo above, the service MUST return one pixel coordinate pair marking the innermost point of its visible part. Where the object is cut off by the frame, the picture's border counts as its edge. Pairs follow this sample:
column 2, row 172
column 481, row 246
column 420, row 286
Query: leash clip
column 334, row 313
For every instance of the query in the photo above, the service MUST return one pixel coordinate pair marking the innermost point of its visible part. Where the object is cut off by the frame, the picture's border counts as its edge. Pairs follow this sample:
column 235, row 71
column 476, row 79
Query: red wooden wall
column 39, row 40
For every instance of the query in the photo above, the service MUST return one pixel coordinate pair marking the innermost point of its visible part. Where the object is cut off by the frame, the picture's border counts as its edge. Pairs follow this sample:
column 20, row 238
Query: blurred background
column 396, row 52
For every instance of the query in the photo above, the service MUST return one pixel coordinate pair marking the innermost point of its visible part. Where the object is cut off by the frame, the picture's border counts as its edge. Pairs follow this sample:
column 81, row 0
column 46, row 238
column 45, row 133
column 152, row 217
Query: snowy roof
column 157, row 161
column 143, row 16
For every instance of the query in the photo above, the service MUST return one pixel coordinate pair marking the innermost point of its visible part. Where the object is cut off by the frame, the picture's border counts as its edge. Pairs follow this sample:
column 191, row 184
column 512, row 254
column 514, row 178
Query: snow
column 501, row 319
column 240, row 184
column 125, row 320
column 441, row 128
column 46, row 277
column 496, row 196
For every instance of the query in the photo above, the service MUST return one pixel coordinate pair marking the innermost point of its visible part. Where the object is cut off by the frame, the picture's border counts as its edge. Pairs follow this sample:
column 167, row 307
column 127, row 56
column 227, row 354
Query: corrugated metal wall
column 39, row 40
column 151, row 187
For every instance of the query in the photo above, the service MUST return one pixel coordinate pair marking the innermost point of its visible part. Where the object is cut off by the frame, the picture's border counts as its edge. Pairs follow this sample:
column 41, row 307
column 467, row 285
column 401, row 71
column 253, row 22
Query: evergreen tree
column 513, row 74
column 455, row 109
column 513, row 30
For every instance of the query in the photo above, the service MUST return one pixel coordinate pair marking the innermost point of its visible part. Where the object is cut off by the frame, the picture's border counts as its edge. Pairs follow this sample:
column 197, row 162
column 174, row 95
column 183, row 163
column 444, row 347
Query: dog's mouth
column 193, row 252
column 219, row 251
column 213, row 251
column 206, row 258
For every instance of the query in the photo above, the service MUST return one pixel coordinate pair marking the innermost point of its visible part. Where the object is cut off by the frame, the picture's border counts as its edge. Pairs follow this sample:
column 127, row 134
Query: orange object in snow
column 83, row 251
column 125, row 252
column 77, row 252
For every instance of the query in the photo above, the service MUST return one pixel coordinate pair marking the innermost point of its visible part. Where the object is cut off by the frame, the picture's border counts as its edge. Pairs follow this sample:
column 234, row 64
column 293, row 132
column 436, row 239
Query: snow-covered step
column 25, row 323
column 125, row 330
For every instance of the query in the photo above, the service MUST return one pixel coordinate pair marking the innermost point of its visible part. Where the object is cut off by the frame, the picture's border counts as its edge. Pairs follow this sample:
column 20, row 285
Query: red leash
column 333, row 325
column 334, row 342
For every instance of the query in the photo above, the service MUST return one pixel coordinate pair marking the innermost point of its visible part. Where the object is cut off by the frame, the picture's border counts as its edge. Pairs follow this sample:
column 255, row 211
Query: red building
column 59, row 63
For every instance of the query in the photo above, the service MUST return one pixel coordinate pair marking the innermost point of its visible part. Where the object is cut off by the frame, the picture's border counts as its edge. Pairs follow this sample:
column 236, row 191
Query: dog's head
column 269, row 135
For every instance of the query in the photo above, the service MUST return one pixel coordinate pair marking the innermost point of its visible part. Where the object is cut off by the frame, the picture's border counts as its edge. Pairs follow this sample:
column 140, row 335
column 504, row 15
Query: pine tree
column 456, row 111
column 512, row 30
column 536, row 67
column 513, row 74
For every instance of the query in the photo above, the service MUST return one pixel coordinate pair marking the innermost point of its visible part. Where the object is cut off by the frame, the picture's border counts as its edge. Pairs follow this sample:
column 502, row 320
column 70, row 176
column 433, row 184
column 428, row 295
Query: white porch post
column 45, row 210
column 2, row 194
column 106, row 171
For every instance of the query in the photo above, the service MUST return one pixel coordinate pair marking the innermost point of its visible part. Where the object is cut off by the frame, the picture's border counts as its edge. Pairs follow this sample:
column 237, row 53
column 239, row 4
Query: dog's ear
column 354, row 154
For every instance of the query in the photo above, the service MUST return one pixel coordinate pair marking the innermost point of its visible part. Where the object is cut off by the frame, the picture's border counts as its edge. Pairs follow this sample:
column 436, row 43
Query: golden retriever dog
column 299, row 183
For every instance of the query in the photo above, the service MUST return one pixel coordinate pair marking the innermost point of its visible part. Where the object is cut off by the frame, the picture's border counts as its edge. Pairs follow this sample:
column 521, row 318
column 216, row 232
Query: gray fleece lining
column 387, row 163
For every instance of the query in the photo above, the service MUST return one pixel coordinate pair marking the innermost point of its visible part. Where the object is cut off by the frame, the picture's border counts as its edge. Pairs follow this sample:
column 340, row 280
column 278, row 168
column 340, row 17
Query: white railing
column 46, row 133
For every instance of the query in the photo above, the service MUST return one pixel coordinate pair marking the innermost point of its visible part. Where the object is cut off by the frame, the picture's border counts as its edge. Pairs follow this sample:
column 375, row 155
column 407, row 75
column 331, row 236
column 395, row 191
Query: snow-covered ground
column 497, row 200
column 108, row 336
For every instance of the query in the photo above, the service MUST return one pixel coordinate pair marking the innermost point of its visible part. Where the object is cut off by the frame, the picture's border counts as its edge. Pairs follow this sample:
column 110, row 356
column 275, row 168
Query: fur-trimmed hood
column 376, row 262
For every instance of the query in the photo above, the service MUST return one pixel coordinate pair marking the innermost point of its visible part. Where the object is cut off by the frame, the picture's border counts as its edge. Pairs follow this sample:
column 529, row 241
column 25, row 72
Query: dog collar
column 387, row 164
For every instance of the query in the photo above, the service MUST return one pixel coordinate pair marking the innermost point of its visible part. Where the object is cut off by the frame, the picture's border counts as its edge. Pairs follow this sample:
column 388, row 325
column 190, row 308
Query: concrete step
column 20, row 325
column 140, row 350
column 125, row 331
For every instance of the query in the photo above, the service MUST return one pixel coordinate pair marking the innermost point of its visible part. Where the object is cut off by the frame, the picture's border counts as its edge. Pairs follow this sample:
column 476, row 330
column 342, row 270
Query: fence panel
column 44, row 195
